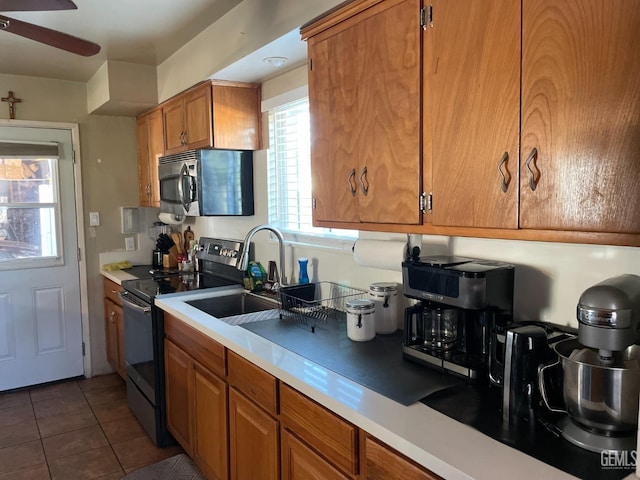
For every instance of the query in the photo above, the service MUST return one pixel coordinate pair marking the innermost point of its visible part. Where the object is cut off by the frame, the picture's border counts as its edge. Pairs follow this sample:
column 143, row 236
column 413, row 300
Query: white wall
column 549, row 276
column 246, row 28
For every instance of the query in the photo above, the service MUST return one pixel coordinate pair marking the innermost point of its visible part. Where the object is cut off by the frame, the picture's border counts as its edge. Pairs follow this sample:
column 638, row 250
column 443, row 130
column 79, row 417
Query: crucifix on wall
column 11, row 100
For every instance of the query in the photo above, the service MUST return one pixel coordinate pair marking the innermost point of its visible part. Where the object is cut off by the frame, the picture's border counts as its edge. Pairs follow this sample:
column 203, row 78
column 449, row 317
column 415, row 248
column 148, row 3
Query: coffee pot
column 464, row 308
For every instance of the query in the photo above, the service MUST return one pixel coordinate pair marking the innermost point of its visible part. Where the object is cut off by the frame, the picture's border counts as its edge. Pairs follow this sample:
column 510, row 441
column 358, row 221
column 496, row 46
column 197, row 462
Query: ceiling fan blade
column 47, row 36
column 35, row 5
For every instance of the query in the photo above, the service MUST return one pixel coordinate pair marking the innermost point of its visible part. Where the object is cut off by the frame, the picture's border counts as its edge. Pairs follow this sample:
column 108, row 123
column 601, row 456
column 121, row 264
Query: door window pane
column 28, row 209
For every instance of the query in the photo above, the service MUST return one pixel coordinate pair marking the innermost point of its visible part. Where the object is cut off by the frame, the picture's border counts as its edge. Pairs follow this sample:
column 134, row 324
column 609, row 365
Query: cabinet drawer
column 111, row 290
column 330, row 435
column 384, row 463
column 202, row 348
column 255, row 383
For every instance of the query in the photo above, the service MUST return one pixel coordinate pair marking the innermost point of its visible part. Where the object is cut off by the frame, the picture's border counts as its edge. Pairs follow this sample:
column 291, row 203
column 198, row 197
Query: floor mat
column 178, row 467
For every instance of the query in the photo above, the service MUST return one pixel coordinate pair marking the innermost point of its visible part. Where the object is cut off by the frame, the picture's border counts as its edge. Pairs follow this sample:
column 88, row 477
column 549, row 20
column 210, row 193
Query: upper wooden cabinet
column 577, row 165
column 474, row 80
column 213, row 115
column 187, row 120
column 364, row 91
column 580, row 156
column 150, row 136
column 526, row 127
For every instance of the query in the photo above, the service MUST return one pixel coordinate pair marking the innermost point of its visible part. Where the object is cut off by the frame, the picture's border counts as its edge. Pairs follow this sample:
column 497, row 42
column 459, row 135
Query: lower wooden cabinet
column 114, row 327
column 254, row 438
column 384, row 463
column 197, row 411
column 299, row 462
column 239, row 422
column 210, row 439
column 325, row 432
column 179, row 387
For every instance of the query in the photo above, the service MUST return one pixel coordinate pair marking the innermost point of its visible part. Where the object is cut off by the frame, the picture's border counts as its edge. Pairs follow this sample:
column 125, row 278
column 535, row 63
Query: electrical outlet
column 129, row 244
column 94, row 219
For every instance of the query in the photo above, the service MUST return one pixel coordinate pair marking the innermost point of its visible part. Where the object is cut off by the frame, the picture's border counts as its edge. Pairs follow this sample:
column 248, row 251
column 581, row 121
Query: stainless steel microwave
column 207, row 182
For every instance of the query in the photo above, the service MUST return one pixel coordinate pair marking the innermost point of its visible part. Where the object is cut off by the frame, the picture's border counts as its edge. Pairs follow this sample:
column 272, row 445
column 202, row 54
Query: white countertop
column 117, row 276
column 448, row 448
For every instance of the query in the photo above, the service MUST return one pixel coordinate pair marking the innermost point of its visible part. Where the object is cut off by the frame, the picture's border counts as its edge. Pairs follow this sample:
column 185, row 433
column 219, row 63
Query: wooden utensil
column 177, row 239
column 188, row 236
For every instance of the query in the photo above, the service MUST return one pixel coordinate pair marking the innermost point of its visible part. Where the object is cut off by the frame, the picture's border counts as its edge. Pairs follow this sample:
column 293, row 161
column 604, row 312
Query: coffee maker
column 601, row 368
column 458, row 324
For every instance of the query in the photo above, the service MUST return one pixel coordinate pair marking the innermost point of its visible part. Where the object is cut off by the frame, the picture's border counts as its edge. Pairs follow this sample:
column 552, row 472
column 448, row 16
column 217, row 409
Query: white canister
column 385, row 297
column 361, row 325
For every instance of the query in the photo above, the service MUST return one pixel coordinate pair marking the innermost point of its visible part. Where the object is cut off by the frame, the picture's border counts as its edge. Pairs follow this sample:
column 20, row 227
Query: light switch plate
column 94, row 219
column 129, row 244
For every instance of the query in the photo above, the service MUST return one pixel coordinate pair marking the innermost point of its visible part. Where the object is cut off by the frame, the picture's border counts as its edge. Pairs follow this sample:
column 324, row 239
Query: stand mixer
column 601, row 368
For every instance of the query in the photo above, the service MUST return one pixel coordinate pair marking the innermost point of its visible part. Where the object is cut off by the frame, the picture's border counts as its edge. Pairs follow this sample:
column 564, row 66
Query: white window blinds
column 289, row 171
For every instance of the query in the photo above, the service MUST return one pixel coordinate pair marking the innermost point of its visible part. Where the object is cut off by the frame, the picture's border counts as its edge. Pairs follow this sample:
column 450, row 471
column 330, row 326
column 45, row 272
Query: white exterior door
column 40, row 305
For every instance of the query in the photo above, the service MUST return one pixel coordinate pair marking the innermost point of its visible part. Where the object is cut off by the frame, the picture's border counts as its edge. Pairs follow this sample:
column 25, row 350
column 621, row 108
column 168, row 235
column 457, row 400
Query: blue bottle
column 303, row 276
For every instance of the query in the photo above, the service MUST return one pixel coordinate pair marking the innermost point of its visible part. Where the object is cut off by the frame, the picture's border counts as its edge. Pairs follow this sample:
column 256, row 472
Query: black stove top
column 217, row 261
column 149, row 288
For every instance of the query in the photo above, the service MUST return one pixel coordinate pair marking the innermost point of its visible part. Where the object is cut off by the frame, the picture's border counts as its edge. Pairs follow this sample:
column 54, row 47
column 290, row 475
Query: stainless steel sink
column 238, row 308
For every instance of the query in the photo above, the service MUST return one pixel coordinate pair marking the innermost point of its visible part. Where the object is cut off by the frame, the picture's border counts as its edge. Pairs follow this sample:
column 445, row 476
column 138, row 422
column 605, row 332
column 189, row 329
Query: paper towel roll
column 171, row 219
column 384, row 254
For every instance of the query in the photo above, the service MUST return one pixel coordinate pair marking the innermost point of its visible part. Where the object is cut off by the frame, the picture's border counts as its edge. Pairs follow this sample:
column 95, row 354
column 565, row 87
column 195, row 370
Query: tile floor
column 73, row 430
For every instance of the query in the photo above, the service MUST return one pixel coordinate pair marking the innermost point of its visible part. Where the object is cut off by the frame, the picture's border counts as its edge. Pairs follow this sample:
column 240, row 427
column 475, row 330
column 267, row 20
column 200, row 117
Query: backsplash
column 549, row 277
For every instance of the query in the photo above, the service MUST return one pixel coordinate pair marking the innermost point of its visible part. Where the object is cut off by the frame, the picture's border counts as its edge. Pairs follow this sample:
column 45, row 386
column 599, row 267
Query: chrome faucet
column 243, row 263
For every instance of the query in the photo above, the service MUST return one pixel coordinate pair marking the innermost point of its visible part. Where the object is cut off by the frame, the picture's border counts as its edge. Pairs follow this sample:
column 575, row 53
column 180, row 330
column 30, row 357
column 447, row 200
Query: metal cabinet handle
column 183, row 137
column 112, row 316
column 505, row 180
column 364, row 182
column 352, row 185
column 533, row 183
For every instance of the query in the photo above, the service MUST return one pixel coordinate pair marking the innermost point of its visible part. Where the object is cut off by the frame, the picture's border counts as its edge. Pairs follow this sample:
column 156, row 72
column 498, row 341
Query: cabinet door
column 144, row 182
column 474, row 82
column 155, row 150
column 197, row 114
column 112, row 313
column 364, row 92
column 333, row 107
column 580, row 104
column 388, row 126
column 299, row 462
column 121, row 359
column 210, row 445
column 174, row 126
column 236, row 117
column 254, row 440
column 179, row 382
column 383, row 463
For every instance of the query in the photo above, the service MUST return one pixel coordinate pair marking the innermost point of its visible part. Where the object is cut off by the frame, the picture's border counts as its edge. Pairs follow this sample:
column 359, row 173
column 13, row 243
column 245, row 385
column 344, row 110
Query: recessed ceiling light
column 275, row 61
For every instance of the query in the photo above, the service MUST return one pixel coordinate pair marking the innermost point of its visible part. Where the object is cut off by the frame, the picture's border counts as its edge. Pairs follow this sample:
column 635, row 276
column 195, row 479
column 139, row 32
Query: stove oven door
column 138, row 344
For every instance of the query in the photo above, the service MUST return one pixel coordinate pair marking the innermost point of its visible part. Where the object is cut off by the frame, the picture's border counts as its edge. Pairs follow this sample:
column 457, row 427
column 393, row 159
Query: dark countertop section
column 377, row 364
column 479, row 407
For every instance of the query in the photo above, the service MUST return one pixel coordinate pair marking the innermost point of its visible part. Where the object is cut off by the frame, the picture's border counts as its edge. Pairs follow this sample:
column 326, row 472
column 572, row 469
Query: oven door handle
column 138, row 305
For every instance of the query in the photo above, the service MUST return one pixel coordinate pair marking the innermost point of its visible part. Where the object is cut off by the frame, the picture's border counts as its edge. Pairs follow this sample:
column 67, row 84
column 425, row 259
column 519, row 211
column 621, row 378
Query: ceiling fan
column 44, row 35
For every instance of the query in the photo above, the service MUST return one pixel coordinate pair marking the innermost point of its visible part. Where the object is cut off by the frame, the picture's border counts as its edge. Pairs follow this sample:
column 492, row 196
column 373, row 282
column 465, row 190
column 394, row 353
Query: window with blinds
column 289, row 173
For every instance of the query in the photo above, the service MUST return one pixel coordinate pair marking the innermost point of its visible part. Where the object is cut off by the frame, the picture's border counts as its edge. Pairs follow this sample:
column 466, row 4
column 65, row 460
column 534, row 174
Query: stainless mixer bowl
column 600, row 397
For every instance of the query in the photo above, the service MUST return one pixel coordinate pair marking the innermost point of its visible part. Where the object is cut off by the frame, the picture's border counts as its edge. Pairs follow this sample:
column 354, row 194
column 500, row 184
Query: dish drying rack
column 315, row 304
